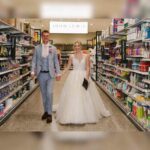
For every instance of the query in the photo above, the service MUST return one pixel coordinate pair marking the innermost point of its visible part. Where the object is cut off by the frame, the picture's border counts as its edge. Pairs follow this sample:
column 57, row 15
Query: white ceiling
column 101, row 8
column 103, row 12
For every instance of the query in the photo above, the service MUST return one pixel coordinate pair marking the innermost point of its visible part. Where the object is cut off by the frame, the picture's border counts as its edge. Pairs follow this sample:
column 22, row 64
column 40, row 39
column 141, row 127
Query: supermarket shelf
column 144, row 102
column 109, row 64
column 4, row 99
column 123, row 109
column 27, row 64
column 5, row 85
column 15, row 79
column 110, row 75
column 108, row 69
column 19, row 45
column 121, row 79
column 26, row 82
column 117, row 67
column 138, row 88
column 25, row 74
column 139, row 72
column 127, row 69
column 25, row 55
column 123, row 69
column 136, row 40
column 117, row 46
column 4, row 72
column 4, row 58
column 146, row 81
column 139, row 22
column 25, row 45
column 11, row 94
column 7, row 27
column 117, row 57
column 5, row 43
column 135, row 56
column 133, row 98
column 8, row 114
column 18, row 57
column 146, row 40
column 108, row 81
column 113, row 37
column 145, row 59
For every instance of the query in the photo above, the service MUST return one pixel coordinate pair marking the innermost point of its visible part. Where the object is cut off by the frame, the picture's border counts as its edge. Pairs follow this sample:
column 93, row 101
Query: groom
column 45, row 66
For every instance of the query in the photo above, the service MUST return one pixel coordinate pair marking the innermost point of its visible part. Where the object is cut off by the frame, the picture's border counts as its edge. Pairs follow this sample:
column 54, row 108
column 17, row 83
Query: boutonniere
column 50, row 50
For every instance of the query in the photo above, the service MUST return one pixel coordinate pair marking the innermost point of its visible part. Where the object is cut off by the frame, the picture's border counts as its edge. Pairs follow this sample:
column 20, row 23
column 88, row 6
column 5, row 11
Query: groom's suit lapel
column 50, row 54
column 40, row 51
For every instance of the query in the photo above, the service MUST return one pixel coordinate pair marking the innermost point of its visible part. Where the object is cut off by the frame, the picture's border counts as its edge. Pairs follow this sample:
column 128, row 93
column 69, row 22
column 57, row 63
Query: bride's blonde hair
column 77, row 42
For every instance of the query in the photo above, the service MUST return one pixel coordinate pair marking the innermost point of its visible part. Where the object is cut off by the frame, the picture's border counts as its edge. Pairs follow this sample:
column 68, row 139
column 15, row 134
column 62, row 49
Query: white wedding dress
column 77, row 105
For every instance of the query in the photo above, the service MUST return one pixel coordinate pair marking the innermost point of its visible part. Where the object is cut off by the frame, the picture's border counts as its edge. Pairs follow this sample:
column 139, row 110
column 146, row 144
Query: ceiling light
column 69, row 27
column 68, row 10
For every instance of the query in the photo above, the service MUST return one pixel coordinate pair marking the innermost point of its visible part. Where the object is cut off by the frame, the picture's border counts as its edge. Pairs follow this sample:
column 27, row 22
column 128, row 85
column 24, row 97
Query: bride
column 77, row 105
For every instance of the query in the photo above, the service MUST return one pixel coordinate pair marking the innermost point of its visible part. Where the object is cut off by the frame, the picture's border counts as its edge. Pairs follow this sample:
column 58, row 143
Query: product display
column 15, row 71
column 124, row 73
column 93, row 63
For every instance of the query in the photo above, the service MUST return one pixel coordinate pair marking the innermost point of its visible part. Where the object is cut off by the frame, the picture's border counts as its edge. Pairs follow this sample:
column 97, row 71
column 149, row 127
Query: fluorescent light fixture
column 69, row 27
column 66, row 10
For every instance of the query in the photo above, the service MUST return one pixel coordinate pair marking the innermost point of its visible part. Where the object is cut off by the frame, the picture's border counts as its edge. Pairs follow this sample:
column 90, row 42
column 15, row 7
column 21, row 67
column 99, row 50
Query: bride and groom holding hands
column 79, row 101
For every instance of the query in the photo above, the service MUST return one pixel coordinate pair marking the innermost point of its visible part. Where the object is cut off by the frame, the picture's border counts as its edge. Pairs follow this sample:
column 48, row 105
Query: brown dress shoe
column 49, row 118
column 44, row 116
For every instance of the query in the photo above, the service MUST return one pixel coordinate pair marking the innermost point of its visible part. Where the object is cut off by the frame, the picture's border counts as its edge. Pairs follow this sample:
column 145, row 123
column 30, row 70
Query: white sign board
column 69, row 27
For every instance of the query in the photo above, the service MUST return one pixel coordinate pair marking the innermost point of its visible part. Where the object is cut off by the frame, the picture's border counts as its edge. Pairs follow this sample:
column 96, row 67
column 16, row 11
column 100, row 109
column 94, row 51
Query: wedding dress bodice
column 79, row 65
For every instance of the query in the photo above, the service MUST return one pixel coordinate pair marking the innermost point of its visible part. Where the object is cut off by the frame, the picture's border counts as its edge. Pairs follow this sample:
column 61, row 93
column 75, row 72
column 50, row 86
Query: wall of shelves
column 124, row 74
column 16, row 51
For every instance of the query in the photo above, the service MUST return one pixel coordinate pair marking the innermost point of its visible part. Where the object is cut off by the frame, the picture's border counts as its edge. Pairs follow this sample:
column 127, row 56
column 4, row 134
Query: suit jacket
column 54, row 68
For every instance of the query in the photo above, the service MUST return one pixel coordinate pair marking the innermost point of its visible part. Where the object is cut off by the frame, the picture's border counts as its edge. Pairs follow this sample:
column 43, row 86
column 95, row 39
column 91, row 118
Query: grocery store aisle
column 28, row 117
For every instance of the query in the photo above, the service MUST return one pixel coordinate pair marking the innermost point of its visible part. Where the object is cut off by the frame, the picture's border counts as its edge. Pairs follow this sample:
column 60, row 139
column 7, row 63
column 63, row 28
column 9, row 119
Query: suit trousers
column 46, row 86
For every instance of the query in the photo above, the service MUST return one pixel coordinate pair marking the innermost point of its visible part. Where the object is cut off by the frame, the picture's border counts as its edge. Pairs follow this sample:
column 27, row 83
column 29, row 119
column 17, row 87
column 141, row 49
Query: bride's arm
column 88, row 67
column 68, row 65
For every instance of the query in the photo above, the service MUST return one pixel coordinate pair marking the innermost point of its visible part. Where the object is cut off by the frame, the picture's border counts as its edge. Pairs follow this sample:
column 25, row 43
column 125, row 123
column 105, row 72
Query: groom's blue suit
column 46, row 69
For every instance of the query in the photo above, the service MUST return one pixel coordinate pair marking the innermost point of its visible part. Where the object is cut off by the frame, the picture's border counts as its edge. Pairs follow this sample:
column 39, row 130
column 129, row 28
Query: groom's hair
column 45, row 31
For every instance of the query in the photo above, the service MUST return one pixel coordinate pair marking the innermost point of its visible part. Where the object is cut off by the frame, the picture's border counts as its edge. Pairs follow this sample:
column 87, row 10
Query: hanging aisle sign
column 69, row 27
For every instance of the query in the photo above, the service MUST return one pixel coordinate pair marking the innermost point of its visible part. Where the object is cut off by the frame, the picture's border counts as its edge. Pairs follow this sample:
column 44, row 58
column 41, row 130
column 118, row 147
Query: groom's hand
column 32, row 75
column 58, row 78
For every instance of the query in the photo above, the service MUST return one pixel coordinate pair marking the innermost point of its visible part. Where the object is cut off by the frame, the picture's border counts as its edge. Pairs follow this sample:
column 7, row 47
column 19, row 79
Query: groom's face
column 45, row 37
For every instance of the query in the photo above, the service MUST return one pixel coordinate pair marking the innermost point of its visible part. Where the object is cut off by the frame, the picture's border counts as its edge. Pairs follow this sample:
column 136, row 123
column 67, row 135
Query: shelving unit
column 93, row 63
column 125, row 110
column 120, row 78
column 15, row 82
column 17, row 104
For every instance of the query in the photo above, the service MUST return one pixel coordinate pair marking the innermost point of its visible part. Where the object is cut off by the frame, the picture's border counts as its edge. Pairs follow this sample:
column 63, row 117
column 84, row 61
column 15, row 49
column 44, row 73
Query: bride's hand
column 87, row 78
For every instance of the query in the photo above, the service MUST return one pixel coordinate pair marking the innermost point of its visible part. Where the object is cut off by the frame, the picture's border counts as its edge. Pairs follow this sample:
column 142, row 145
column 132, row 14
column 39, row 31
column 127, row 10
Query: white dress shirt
column 45, row 50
